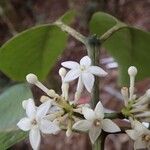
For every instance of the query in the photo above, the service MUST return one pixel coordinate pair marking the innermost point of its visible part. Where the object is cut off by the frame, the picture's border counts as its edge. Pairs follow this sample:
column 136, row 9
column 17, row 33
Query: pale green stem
column 100, row 142
column 97, row 145
column 71, row 31
column 112, row 30
column 93, row 52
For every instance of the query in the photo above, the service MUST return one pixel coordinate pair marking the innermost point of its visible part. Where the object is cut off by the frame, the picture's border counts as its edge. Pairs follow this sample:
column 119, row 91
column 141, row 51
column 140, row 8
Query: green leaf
column 34, row 50
column 68, row 17
column 11, row 112
column 129, row 46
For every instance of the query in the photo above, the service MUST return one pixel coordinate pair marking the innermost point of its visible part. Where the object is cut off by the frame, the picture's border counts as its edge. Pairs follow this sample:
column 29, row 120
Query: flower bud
column 44, row 99
column 62, row 72
column 52, row 93
column 24, row 103
column 132, row 71
column 31, row 78
column 68, row 132
column 124, row 92
column 148, row 93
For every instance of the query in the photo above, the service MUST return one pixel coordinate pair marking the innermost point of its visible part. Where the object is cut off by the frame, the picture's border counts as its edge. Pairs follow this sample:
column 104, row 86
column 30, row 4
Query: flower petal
column 43, row 109
column 49, row 127
column 85, row 61
column 139, row 127
column 99, row 110
column 24, row 124
column 70, row 64
column 35, row 138
column 139, row 144
column 110, row 126
column 133, row 134
column 88, row 113
column 94, row 133
column 88, row 81
column 72, row 75
column 98, row 71
column 30, row 109
column 82, row 125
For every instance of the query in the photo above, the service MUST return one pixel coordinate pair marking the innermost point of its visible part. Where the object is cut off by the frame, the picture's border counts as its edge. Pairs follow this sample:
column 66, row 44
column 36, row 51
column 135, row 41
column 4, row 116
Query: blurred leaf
column 68, row 17
column 129, row 46
column 8, row 139
column 11, row 112
column 34, row 50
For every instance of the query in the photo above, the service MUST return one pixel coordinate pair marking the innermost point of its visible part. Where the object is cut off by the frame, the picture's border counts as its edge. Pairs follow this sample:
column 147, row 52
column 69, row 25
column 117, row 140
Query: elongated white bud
column 25, row 102
column 78, row 90
column 69, row 128
column 44, row 99
column 124, row 92
column 132, row 71
column 144, row 114
column 64, row 86
column 68, row 132
column 65, row 89
column 62, row 72
column 148, row 93
column 140, row 108
column 52, row 93
column 145, row 99
column 31, row 78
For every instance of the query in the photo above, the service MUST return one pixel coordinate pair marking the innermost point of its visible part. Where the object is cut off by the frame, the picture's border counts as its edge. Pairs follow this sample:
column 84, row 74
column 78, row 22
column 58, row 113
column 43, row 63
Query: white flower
column 94, row 122
column 140, row 134
column 84, row 70
column 35, row 122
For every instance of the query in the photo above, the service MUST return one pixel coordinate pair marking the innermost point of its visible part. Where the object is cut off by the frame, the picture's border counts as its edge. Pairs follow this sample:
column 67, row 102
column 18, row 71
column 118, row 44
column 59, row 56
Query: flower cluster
column 57, row 112
column 137, row 109
column 140, row 134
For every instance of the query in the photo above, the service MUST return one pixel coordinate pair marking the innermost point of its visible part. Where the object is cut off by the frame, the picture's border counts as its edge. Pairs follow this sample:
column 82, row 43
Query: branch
column 93, row 49
column 71, row 31
column 112, row 30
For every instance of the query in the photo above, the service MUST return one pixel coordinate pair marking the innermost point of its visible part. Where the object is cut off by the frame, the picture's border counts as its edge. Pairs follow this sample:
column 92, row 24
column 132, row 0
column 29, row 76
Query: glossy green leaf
column 129, row 46
column 11, row 112
column 34, row 50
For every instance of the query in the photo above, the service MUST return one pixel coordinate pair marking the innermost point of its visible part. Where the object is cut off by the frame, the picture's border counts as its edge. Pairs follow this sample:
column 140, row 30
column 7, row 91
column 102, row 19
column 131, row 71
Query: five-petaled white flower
column 36, row 122
column 140, row 134
column 94, row 122
column 84, row 71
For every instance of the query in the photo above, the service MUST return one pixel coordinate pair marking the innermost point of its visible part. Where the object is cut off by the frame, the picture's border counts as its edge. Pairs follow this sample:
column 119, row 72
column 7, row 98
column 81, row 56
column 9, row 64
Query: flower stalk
column 93, row 48
column 100, row 142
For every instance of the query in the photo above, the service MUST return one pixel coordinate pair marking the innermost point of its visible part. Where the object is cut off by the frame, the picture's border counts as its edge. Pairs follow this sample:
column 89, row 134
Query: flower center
column 146, row 138
column 82, row 68
column 97, row 123
column 34, row 122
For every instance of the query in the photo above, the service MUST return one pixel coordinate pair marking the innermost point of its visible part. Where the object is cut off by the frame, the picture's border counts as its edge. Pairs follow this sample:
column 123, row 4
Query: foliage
column 129, row 46
column 11, row 112
column 35, row 50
